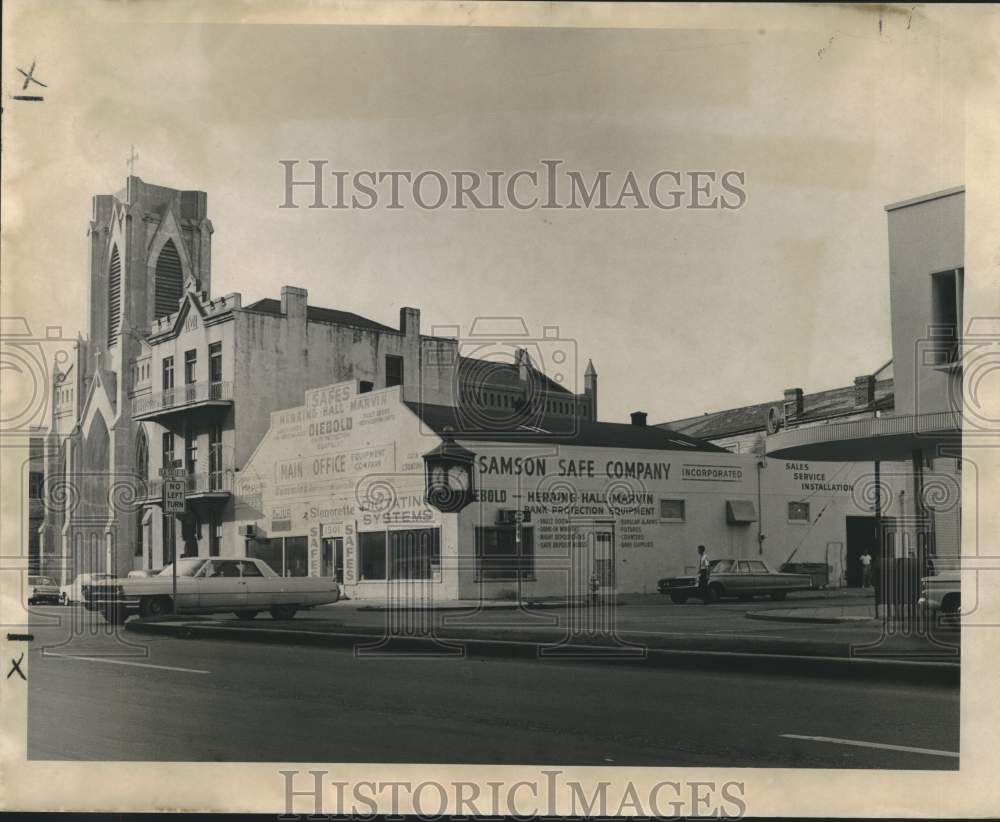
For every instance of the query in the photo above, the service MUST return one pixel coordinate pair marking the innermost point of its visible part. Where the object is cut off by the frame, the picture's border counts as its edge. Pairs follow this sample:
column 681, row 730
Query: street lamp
column 449, row 475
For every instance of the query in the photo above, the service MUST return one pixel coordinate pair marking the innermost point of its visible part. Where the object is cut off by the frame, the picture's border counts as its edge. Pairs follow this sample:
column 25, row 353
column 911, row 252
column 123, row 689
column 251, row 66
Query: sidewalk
column 651, row 630
column 825, row 596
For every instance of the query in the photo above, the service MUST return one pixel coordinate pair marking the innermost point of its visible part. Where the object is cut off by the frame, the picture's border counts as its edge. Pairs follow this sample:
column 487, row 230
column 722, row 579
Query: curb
column 513, row 606
column 908, row 671
column 772, row 617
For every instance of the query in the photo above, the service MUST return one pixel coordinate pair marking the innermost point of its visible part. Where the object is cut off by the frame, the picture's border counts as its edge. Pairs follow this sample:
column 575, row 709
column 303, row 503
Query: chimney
column 409, row 321
column 793, row 403
column 864, row 392
column 293, row 303
column 639, row 418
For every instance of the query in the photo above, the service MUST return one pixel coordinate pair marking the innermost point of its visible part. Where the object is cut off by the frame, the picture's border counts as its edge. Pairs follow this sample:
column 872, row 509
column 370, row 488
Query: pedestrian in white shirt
column 866, row 569
column 703, row 568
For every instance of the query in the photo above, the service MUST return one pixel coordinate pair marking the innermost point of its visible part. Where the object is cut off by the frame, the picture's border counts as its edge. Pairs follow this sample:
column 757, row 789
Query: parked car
column 740, row 578
column 73, row 592
column 942, row 593
column 43, row 590
column 244, row 586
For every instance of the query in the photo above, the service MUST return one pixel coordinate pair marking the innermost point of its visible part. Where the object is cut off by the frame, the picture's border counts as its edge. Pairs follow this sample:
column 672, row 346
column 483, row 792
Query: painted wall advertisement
column 330, row 468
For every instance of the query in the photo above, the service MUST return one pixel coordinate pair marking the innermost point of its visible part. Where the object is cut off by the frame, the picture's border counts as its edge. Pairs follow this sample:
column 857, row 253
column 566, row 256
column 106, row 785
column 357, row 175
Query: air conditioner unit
column 248, row 531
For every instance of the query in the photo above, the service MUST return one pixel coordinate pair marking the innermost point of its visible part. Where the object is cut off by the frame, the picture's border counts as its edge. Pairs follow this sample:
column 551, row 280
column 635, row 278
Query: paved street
column 165, row 698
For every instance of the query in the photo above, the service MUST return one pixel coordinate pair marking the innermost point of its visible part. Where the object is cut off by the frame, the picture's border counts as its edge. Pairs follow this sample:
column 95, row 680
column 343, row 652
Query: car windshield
column 722, row 566
column 39, row 580
column 185, row 567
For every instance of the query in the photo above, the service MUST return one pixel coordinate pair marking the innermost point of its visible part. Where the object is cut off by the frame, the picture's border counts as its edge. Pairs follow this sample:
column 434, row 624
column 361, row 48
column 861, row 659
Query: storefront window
column 371, row 550
column 289, row 557
column 498, row 557
column 414, row 554
column 410, row 554
column 296, row 557
column 268, row 550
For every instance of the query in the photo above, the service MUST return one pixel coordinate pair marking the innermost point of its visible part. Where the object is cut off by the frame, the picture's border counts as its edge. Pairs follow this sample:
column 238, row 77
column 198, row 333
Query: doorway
column 860, row 533
column 332, row 559
column 594, row 557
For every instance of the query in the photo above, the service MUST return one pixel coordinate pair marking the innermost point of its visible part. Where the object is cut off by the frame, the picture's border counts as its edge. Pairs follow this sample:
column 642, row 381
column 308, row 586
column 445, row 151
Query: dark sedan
column 739, row 578
column 43, row 590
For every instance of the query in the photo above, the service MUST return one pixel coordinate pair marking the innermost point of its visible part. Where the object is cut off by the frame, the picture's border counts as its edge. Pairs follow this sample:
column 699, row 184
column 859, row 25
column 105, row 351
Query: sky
column 829, row 116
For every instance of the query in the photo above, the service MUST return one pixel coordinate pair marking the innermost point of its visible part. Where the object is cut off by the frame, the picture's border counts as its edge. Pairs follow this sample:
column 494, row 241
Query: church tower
column 148, row 245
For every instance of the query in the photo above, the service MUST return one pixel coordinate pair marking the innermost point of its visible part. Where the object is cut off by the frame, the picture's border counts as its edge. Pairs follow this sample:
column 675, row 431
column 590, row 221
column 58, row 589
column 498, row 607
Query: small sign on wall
column 173, row 497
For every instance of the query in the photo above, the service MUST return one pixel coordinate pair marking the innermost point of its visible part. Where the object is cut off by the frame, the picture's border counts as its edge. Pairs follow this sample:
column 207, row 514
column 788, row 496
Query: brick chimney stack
column 864, row 392
column 793, row 403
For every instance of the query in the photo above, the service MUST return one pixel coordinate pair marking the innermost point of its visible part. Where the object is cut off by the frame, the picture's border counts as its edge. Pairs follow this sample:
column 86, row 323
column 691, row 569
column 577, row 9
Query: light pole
column 760, row 509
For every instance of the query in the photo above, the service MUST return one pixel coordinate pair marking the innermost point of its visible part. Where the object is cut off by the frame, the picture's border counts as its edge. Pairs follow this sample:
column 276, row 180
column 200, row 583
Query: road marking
column 132, row 664
column 858, row 743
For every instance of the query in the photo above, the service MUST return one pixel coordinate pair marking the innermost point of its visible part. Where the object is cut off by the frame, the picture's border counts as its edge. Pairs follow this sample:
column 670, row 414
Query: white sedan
column 244, row 586
column 73, row 592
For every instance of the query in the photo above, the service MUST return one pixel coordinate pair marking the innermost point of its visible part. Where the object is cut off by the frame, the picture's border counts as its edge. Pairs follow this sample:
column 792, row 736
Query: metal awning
column 873, row 438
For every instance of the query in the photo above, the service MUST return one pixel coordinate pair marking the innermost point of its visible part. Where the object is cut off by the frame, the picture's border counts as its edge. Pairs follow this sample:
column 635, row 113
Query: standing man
column 866, row 569
column 703, row 568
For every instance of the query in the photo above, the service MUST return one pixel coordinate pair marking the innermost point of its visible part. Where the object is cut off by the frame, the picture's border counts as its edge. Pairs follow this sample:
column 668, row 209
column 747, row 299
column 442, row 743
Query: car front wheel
column 679, row 599
column 115, row 614
column 951, row 604
column 155, row 606
column 245, row 614
column 283, row 611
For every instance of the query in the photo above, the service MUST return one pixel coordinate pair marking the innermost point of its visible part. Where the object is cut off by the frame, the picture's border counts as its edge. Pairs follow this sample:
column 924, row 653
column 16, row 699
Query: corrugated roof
column 315, row 314
column 558, row 430
column 749, row 418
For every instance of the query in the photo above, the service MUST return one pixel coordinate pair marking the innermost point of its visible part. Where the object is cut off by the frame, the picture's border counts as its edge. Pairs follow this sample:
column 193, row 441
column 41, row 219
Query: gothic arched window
column 142, row 455
column 114, row 295
column 169, row 281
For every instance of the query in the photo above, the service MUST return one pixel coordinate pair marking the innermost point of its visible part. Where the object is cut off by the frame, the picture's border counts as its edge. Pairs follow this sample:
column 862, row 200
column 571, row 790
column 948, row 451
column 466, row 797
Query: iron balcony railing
column 214, row 482
column 182, row 395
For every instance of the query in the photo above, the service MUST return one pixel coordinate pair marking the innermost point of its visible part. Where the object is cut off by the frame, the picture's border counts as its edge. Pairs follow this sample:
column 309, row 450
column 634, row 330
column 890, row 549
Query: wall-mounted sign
column 712, row 473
